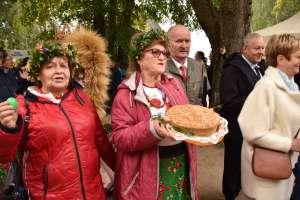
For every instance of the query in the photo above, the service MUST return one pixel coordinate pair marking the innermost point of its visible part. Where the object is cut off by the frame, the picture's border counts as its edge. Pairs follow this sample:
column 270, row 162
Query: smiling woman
column 276, row 125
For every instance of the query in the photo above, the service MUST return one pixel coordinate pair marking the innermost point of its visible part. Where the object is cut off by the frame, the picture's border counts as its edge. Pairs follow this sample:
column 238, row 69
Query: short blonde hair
column 284, row 44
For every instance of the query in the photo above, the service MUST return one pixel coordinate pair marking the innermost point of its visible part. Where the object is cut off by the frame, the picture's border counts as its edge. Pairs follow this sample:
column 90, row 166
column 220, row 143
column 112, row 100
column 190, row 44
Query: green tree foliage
column 116, row 20
column 270, row 12
column 5, row 21
column 13, row 34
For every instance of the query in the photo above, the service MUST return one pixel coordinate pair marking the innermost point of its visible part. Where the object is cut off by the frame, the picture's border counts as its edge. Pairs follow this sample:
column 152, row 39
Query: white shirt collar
column 253, row 66
column 250, row 63
column 177, row 64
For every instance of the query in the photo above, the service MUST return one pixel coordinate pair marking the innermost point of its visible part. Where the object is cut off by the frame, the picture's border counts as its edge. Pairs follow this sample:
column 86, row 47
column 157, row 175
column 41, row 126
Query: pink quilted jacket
column 136, row 175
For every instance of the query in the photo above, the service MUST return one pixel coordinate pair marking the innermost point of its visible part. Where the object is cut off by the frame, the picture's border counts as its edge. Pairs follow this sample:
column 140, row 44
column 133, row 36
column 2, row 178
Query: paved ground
column 210, row 169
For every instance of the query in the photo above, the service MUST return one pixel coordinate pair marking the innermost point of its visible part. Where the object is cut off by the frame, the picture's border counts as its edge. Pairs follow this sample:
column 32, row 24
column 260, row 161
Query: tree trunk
column 224, row 26
column 99, row 23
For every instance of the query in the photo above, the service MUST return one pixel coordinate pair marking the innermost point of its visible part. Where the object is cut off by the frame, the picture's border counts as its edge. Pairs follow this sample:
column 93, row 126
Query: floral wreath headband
column 44, row 52
column 144, row 40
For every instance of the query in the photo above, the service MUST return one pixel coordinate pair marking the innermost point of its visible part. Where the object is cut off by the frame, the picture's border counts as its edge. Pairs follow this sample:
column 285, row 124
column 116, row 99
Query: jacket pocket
column 129, row 187
column 45, row 180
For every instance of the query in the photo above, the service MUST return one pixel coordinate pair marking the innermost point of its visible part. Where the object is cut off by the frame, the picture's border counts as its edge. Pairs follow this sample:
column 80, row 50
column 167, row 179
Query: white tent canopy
column 290, row 25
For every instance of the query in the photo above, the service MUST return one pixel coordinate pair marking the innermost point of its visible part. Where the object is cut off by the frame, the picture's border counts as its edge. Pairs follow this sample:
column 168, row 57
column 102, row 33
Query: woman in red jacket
column 65, row 136
column 150, row 164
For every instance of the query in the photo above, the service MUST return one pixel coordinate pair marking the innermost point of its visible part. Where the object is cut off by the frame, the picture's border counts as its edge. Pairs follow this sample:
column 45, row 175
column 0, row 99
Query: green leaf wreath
column 144, row 40
column 44, row 52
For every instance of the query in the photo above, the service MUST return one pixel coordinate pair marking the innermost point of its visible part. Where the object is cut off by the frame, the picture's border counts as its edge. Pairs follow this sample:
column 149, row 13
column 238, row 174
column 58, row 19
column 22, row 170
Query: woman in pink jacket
column 150, row 164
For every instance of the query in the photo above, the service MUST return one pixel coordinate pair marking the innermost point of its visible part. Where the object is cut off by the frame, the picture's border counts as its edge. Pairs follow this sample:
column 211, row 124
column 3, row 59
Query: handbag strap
column 297, row 133
column 26, row 125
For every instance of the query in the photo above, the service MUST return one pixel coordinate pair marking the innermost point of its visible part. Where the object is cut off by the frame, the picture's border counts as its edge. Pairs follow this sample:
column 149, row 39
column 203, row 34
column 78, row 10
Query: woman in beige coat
column 270, row 118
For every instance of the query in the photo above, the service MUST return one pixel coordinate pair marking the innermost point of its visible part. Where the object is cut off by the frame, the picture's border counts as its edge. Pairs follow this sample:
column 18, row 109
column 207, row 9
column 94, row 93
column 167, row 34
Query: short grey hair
column 172, row 28
column 249, row 37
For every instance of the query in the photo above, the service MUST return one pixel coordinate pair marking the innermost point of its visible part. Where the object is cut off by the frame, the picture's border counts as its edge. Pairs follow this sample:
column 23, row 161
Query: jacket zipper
column 24, row 173
column 131, row 184
column 45, row 179
column 77, row 151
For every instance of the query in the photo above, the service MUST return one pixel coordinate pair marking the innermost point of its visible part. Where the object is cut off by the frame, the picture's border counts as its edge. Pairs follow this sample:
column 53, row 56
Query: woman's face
column 154, row 60
column 290, row 66
column 55, row 75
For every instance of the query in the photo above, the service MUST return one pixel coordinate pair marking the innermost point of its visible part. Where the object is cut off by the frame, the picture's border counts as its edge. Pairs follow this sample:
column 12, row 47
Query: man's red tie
column 183, row 72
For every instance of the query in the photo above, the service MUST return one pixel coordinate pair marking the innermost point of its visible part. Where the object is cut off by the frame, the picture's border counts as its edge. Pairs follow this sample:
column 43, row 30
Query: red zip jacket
column 137, row 165
column 65, row 143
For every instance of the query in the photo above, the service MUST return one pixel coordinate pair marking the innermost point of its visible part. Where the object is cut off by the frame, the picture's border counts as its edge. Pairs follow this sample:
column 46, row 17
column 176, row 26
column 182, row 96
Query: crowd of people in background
column 259, row 96
column 13, row 80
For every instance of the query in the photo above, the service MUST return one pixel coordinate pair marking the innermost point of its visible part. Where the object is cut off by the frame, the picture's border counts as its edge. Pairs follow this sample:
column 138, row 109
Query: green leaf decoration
column 142, row 41
column 45, row 52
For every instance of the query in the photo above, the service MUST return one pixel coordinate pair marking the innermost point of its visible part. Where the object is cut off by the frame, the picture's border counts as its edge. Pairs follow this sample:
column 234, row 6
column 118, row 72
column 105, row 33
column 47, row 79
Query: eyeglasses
column 156, row 53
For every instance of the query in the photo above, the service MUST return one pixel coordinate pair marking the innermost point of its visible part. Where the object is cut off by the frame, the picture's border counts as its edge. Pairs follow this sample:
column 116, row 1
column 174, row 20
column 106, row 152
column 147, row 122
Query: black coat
column 238, row 80
column 11, row 84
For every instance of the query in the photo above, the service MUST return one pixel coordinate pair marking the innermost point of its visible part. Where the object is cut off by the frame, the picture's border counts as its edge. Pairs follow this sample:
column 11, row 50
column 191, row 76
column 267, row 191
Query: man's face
column 254, row 50
column 180, row 42
column 8, row 62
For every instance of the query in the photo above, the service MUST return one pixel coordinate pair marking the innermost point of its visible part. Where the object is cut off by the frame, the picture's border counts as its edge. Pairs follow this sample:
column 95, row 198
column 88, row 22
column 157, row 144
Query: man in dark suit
column 241, row 71
column 190, row 72
column 12, row 81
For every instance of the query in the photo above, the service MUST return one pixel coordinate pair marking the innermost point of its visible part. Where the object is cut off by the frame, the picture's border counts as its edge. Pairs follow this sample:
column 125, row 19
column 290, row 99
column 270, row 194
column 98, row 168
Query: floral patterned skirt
column 174, row 178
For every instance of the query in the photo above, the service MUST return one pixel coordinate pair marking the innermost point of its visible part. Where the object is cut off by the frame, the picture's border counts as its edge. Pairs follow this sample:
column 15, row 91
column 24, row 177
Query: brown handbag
column 271, row 164
column 267, row 163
